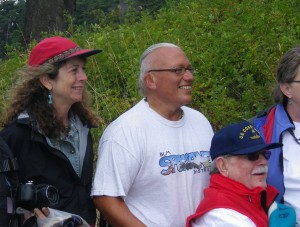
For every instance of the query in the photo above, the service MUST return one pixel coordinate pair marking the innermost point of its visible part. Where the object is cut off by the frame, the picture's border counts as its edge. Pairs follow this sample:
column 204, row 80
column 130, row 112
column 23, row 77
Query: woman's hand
column 31, row 217
column 41, row 213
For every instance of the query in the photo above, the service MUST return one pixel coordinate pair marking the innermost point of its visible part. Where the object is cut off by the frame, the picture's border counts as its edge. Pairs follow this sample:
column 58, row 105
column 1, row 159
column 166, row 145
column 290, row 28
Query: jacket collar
column 254, row 195
column 282, row 119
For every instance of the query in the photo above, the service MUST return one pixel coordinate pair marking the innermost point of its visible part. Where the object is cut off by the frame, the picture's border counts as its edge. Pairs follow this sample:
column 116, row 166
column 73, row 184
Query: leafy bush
column 234, row 45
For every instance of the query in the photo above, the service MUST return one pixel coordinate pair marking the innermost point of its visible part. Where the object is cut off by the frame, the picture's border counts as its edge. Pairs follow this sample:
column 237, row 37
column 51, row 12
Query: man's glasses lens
column 255, row 156
column 179, row 71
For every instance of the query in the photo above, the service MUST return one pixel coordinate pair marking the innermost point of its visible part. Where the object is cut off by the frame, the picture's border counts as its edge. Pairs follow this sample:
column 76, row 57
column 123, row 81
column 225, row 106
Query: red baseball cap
column 55, row 49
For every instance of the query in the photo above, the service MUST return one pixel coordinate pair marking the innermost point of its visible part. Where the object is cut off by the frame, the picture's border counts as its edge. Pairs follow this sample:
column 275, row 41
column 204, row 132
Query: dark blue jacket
column 43, row 164
column 281, row 123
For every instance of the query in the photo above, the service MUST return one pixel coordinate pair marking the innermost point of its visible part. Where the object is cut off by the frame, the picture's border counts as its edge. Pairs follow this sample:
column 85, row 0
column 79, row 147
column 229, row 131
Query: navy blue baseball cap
column 238, row 139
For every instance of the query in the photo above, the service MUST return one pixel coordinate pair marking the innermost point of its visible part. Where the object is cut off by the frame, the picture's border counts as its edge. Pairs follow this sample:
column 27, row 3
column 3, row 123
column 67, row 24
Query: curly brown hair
column 29, row 95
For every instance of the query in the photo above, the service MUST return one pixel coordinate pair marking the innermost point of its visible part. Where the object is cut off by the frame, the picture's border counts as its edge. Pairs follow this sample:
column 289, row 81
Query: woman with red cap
column 47, row 124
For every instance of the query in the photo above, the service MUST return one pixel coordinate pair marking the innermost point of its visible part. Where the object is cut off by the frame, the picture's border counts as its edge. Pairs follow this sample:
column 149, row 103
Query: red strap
column 268, row 127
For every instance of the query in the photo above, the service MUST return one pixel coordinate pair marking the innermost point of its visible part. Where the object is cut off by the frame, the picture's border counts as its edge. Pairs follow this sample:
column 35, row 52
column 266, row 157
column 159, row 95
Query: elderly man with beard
column 238, row 194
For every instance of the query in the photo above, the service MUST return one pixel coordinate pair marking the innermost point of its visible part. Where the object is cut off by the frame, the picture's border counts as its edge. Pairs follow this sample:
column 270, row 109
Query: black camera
column 30, row 196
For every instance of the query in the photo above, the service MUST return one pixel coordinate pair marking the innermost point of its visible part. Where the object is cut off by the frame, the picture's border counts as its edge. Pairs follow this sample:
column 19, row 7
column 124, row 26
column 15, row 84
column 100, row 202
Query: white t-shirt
column 291, row 170
column 159, row 167
column 222, row 217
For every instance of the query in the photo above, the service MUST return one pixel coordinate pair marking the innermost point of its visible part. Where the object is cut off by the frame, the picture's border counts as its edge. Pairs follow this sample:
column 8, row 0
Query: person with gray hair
column 281, row 123
column 152, row 161
column 238, row 194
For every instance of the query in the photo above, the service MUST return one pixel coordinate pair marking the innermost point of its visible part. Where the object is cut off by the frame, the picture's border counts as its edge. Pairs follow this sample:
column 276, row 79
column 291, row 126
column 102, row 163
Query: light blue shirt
column 70, row 144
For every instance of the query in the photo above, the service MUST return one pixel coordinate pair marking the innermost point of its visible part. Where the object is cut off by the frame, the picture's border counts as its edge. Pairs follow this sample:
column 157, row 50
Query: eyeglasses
column 178, row 71
column 295, row 81
column 254, row 156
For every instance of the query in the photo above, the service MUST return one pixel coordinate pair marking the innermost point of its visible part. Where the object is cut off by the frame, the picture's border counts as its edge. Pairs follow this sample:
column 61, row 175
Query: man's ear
column 150, row 81
column 286, row 89
column 221, row 164
column 46, row 82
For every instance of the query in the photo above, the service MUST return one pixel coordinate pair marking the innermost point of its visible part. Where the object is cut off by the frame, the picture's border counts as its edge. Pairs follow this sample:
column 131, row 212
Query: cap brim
column 84, row 53
column 256, row 148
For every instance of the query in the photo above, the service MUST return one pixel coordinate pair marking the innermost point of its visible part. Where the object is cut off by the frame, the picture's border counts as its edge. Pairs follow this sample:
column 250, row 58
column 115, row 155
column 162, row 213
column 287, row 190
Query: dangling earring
column 290, row 101
column 50, row 98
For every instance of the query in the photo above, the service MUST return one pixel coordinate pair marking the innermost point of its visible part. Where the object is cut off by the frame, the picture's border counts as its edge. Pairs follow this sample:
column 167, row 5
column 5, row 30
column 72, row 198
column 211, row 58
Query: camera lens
column 46, row 195
column 52, row 195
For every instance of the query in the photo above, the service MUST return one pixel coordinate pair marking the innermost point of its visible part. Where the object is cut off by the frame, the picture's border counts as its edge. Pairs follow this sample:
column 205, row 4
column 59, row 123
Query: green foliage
column 94, row 12
column 234, row 45
column 113, row 12
column 11, row 24
column 239, row 53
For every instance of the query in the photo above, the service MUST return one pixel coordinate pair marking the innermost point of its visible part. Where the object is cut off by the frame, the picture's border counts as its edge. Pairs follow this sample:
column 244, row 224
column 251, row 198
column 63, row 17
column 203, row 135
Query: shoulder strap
column 8, row 186
column 7, row 161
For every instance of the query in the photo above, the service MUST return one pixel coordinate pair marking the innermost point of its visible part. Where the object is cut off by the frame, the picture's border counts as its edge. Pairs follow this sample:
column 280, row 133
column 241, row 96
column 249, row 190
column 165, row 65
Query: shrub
column 234, row 45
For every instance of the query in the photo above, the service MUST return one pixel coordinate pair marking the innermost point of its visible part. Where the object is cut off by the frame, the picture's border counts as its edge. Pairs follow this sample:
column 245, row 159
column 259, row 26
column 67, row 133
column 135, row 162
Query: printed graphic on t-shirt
column 198, row 161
